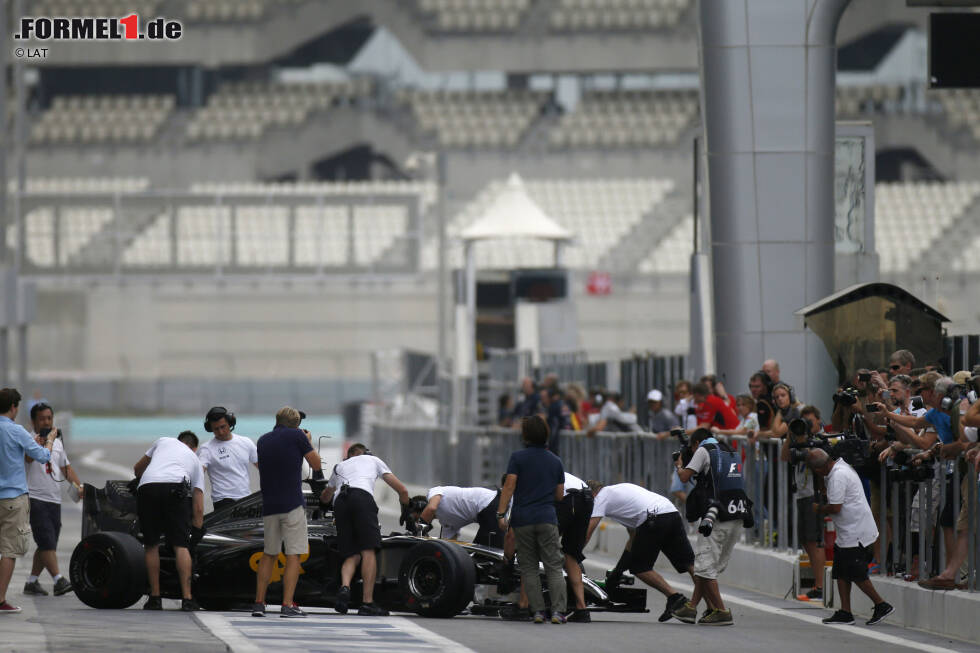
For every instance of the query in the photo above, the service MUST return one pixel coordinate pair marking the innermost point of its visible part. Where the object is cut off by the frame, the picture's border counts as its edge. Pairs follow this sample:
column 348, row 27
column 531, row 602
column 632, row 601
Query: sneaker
column 6, row 608
column 706, row 612
column 258, row 609
column 62, row 586
column 874, row 567
column 815, row 594
column 291, row 612
column 840, row 617
column 717, row 618
column 514, row 613
column 372, row 610
column 189, row 605
column 882, row 610
column 539, row 617
column 35, row 589
column 685, row 612
column 343, row 600
column 558, row 618
column 579, row 617
column 153, row 603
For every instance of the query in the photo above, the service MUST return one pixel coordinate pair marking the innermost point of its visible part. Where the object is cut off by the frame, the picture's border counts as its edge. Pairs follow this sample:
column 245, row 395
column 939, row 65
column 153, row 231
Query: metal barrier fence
column 424, row 456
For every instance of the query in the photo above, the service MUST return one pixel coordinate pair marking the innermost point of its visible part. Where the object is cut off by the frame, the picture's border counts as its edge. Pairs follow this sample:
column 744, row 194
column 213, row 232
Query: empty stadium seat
column 875, row 98
column 673, row 253
column 616, row 15
column 483, row 16
column 475, row 118
column 87, row 119
column 625, row 118
column 94, row 8
column 225, row 11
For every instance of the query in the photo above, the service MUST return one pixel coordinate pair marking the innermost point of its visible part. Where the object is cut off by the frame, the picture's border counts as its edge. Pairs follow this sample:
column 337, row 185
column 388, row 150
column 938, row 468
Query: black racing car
column 428, row 576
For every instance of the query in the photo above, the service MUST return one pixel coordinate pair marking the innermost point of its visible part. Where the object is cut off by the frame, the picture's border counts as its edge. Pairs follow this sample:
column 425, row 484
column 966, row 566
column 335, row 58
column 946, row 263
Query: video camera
column 685, row 453
column 801, row 441
column 905, row 472
column 846, row 396
column 955, row 393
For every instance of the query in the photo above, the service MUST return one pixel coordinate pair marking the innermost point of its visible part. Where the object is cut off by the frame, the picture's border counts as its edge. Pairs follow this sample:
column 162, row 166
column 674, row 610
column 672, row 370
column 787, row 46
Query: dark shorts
column 221, row 504
column 574, row 513
column 851, row 563
column 947, row 518
column 661, row 534
column 809, row 525
column 356, row 517
column 165, row 509
column 45, row 524
column 489, row 532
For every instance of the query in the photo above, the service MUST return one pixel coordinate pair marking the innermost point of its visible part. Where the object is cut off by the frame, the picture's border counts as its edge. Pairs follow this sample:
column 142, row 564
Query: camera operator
column 16, row 445
column 226, row 458
column 856, row 532
column 356, row 515
column 170, row 501
column 809, row 525
column 720, row 502
column 44, row 489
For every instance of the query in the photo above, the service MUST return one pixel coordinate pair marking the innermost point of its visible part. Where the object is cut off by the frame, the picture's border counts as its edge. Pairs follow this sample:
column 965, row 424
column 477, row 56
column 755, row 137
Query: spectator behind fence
column 748, row 419
column 787, row 407
column 856, row 532
column 529, row 402
column 15, row 444
column 809, row 525
column 614, row 417
column 684, row 405
column 760, row 386
column 712, row 410
column 771, row 368
column 558, row 416
column 505, row 411
column 718, row 389
column 659, row 419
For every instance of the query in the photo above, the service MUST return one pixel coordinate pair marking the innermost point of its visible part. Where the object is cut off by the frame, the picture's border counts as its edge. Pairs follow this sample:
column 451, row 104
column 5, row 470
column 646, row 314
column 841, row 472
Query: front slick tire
column 108, row 570
column 437, row 579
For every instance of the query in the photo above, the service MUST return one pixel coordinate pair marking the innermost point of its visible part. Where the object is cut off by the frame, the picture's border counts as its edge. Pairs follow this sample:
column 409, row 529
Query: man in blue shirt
column 536, row 481
column 15, row 530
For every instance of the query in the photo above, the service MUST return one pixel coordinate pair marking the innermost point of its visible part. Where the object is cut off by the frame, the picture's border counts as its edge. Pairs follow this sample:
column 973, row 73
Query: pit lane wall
column 764, row 562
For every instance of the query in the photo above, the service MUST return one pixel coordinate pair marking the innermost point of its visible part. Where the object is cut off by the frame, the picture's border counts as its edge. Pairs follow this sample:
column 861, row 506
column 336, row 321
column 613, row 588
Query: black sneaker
column 840, row 617
column 62, row 586
column 35, row 589
column 153, row 603
column 882, row 610
column 291, row 612
column 258, row 609
column 579, row 617
column 372, row 610
column 189, row 605
column 514, row 613
column 343, row 600
column 815, row 594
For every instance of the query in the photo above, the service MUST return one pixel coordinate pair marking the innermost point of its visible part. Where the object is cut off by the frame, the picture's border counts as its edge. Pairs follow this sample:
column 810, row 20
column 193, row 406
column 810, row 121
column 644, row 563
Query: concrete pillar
column 768, row 82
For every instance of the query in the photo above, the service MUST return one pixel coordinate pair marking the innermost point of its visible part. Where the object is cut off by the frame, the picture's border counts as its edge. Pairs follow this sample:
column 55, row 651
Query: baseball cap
column 961, row 377
column 655, row 395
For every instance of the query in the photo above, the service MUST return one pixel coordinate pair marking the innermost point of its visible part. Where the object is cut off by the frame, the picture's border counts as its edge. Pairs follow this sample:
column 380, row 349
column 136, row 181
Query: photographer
column 44, row 489
column 809, row 525
column 170, row 499
column 721, row 504
column 856, row 532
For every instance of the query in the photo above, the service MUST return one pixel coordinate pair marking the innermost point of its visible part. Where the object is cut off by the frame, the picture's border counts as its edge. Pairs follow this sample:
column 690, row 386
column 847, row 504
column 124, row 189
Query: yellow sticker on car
column 278, row 567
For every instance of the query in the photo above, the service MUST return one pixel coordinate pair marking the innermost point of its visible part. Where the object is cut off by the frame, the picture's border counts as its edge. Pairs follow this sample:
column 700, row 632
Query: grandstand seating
column 102, row 119
column 120, row 8
column 673, row 253
column 55, row 243
column 80, row 185
column 616, row 15
column 475, row 118
column 598, row 212
column 245, row 110
column 875, row 98
column 473, row 15
column 962, row 109
column 230, row 10
column 626, row 118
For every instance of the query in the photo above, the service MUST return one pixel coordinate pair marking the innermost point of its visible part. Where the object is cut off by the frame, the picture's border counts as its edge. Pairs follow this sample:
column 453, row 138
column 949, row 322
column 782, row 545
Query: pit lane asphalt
column 65, row 624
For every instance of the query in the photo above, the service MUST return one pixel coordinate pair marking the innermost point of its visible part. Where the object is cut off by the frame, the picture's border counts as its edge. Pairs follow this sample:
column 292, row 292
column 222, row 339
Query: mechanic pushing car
column 226, row 457
column 170, row 499
column 574, row 515
column 456, row 507
column 351, row 488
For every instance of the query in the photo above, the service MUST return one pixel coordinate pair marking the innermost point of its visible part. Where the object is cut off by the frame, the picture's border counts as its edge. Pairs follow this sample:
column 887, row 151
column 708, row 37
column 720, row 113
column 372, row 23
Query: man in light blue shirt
column 15, row 530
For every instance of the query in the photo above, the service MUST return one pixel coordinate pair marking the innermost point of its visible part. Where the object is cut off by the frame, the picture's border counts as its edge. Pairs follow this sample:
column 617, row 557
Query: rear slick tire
column 108, row 570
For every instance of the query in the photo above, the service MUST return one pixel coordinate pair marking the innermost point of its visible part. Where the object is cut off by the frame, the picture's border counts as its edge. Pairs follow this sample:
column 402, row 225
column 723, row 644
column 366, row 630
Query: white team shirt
column 359, row 471
column 459, row 506
column 573, row 483
column 227, row 463
column 855, row 525
column 172, row 461
column 44, row 486
column 630, row 504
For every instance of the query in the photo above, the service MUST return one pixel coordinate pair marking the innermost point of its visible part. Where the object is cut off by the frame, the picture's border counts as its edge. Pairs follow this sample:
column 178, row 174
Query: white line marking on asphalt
column 853, row 630
column 245, row 634
column 94, row 459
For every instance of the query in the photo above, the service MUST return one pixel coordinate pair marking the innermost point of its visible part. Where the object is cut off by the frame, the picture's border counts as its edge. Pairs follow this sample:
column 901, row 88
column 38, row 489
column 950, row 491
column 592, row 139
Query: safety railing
column 910, row 533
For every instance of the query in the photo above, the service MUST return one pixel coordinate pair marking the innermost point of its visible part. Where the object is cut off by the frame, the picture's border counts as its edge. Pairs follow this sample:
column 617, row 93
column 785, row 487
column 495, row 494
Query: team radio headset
column 217, row 413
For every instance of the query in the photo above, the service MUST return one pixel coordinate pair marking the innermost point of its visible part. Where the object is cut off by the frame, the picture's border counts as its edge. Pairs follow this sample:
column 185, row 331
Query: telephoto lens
column 708, row 521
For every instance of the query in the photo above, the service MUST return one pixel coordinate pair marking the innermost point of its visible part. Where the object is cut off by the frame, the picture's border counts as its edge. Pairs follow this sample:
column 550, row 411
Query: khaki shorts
column 961, row 520
column 289, row 529
column 15, row 526
column 712, row 554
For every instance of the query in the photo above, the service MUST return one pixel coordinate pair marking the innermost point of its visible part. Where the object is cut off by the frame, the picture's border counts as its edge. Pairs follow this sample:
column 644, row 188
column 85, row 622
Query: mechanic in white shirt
column 170, row 501
column 654, row 525
column 226, row 458
column 574, row 515
column 44, row 482
column 856, row 533
column 456, row 507
column 356, row 517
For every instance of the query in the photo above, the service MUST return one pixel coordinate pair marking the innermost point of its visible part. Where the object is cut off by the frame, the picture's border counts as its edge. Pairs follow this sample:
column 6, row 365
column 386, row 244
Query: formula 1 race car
column 431, row 577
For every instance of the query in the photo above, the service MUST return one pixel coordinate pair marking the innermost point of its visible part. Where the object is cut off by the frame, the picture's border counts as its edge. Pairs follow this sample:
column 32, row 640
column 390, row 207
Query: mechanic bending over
column 456, row 507
column 654, row 525
column 281, row 455
column 169, row 500
column 226, row 457
column 574, row 515
column 351, row 488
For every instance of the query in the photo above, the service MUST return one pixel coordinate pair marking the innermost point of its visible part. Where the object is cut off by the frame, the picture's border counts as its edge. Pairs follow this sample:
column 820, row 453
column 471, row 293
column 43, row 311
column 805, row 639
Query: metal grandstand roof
column 513, row 214
column 861, row 290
